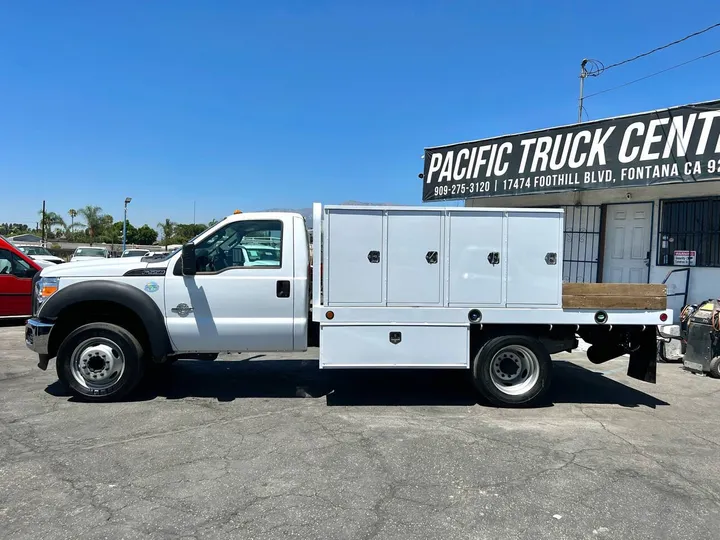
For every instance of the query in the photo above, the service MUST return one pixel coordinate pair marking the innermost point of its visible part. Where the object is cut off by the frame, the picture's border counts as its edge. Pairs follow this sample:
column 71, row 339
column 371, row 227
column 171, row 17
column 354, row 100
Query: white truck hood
column 99, row 267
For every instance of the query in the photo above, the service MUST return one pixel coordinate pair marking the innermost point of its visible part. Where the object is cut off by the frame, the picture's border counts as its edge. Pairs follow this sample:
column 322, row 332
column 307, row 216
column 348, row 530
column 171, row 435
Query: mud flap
column 43, row 361
column 643, row 361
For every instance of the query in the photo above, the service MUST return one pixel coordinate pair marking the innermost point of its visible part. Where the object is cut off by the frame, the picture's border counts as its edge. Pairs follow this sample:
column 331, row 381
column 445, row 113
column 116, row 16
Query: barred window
column 689, row 225
column 582, row 243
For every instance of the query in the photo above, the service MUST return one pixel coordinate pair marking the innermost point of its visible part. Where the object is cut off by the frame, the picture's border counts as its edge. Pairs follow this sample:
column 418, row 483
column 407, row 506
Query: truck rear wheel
column 512, row 370
column 100, row 362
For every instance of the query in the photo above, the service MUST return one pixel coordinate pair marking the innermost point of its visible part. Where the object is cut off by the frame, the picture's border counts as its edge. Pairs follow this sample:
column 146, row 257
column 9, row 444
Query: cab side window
column 5, row 262
column 243, row 244
column 11, row 264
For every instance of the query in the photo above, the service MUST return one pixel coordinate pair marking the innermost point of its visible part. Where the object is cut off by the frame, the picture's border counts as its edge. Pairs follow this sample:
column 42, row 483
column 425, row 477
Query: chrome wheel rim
column 97, row 363
column 514, row 370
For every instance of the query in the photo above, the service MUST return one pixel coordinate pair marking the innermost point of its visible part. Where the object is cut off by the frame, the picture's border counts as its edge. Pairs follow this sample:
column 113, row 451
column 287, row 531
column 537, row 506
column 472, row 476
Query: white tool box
column 398, row 256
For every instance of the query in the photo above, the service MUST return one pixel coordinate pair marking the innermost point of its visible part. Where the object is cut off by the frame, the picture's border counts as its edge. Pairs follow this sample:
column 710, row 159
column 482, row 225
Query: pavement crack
column 713, row 497
column 206, row 425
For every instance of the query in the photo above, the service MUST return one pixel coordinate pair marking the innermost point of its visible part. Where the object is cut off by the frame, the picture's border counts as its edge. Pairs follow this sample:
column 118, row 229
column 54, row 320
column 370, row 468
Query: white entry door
column 627, row 243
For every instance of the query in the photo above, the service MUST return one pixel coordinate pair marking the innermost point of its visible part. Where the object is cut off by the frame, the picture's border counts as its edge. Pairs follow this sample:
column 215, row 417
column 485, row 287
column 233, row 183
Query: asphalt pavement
column 270, row 447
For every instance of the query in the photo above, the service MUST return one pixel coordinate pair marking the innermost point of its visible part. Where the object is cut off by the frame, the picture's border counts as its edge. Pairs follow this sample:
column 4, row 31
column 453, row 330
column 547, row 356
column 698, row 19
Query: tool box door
column 356, row 258
column 534, row 259
column 415, row 258
column 476, row 258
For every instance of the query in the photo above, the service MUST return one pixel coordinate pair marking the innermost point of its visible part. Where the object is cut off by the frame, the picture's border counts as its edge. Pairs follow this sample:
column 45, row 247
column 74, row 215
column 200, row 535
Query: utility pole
column 583, row 76
column 43, row 225
column 127, row 201
column 193, row 212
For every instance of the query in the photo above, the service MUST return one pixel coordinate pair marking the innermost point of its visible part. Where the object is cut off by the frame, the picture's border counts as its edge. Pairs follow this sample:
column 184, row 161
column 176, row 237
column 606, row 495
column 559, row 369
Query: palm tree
column 95, row 220
column 73, row 214
column 51, row 220
column 168, row 228
column 69, row 230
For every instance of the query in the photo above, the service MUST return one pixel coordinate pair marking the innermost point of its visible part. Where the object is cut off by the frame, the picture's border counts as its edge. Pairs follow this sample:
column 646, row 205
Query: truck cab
column 211, row 296
column 246, row 282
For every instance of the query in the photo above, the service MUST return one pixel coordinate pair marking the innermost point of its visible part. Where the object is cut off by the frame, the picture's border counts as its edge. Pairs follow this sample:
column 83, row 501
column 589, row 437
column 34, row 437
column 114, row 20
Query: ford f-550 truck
column 390, row 287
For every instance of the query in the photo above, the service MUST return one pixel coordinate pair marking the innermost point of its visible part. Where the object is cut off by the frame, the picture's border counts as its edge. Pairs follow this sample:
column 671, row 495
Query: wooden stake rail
column 650, row 296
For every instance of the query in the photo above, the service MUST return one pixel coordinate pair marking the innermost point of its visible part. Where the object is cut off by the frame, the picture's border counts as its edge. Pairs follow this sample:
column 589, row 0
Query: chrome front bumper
column 37, row 336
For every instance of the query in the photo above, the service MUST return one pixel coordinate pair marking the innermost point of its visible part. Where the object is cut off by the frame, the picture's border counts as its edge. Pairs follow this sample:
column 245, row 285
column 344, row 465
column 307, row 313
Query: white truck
column 390, row 287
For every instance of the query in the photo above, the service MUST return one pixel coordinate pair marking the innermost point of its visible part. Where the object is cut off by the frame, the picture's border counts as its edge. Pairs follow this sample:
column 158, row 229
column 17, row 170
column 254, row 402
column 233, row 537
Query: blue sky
column 254, row 105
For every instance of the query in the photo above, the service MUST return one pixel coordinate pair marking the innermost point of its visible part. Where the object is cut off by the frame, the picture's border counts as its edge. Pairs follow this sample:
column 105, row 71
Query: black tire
column 519, row 390
column 714, row 371
column 100, row 340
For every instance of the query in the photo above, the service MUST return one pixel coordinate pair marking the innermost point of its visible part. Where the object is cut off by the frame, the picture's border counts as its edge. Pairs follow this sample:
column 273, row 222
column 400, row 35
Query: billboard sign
column 679, row 144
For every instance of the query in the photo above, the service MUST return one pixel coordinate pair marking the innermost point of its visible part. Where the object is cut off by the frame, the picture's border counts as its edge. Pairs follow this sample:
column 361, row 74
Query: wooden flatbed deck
column 650, row 296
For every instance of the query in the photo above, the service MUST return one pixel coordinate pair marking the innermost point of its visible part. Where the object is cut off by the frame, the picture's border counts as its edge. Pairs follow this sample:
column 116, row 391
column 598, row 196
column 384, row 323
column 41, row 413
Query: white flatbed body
column 429, row 303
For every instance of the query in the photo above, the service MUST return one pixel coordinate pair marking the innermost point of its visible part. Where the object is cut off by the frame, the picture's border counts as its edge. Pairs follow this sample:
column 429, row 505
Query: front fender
column 118, row 293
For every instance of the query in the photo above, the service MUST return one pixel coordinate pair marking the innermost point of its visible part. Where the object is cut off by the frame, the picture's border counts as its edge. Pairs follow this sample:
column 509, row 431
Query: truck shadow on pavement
column 230, row 380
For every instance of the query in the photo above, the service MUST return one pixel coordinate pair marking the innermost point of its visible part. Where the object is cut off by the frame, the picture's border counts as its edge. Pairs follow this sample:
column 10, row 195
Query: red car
column 16, row 273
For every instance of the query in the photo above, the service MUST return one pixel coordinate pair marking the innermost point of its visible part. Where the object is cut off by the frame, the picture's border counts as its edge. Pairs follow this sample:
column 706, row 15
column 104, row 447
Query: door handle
column 282, row 289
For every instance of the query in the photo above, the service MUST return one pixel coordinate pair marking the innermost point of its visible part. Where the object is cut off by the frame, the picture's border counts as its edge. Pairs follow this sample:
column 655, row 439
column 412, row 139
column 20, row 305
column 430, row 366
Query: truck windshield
column 34, row 250
column 90, row 252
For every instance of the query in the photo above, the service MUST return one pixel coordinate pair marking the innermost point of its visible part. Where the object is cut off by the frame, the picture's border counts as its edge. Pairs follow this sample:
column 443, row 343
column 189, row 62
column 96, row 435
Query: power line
column 605, row 68
column 653, row 74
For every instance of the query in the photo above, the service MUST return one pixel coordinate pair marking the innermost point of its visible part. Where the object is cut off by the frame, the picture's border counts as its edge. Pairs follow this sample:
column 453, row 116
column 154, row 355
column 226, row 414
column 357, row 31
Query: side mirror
column 189, row 261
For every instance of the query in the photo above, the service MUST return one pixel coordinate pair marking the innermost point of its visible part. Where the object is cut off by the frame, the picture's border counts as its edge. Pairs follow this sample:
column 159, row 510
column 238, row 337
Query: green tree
column 52, row 220
column 50, row 224
column 14, row 229
column 115, row 231
column 112, row 234
column 146, row 236
column 168, row 229
column 184, row 232
column 95, row 219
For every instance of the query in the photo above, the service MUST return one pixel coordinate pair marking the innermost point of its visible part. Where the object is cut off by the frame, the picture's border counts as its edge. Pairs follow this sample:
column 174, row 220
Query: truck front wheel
column 100, row 362
column 512, row 370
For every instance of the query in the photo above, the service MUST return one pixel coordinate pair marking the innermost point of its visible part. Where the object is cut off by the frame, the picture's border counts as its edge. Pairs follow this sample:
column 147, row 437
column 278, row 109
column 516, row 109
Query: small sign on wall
column 684, row 258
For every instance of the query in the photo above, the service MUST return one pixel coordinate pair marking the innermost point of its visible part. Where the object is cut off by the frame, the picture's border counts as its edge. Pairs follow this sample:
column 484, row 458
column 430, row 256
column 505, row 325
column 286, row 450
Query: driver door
column 234, row 303
column 15, row 285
